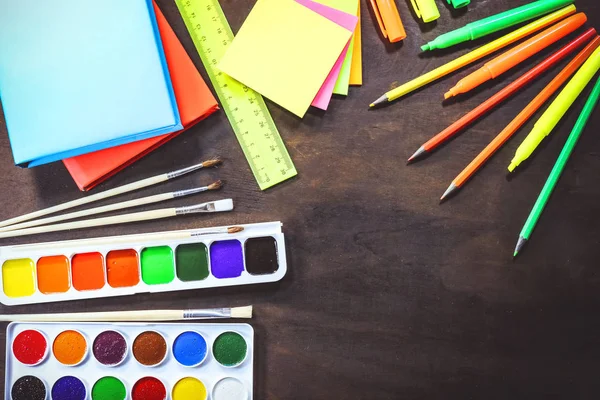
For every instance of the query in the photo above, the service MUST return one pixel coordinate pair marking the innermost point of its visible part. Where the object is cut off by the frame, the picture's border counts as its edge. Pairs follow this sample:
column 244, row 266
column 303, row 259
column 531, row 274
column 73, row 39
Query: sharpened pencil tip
column 520, row 243
column 379, row 102
column 451, row 190
column 420, row 152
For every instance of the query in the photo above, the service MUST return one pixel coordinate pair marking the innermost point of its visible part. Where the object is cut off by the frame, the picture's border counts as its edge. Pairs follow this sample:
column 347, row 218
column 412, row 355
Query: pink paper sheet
column 346, row 21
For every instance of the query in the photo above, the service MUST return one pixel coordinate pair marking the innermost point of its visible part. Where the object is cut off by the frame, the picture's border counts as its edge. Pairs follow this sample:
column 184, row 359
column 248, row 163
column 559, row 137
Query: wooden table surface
column 389, row 295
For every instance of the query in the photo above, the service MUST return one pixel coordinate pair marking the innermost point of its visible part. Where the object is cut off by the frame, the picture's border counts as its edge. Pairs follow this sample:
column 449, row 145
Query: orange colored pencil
column 503, row 94
column 517, row 55
column 522, row 118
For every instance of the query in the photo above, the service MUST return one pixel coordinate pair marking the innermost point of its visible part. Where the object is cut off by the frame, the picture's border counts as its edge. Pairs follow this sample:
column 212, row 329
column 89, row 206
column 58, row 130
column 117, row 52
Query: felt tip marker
column 497, row 22
column 511, row 58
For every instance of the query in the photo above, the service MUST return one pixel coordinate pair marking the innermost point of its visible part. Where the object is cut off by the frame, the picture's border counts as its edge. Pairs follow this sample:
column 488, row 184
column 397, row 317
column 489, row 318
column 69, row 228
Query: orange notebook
column 194, row 100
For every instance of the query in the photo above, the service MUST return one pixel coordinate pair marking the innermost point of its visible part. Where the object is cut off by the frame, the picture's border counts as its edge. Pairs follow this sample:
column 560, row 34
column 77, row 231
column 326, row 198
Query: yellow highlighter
column 557, row 109
column 426, row 9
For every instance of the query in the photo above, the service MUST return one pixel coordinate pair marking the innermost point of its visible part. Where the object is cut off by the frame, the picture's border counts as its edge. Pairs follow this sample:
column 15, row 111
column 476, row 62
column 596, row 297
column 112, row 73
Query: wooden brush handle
column 118, row 219
column 91, row 211
column 88, row 199
column 112, row 316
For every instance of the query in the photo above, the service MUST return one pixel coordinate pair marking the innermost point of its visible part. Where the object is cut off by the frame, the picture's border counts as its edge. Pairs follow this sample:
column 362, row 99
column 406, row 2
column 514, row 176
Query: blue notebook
column 77, row 76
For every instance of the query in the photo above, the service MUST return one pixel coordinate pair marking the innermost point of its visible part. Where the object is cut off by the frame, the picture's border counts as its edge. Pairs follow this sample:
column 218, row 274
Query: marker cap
column 388, row 19
column 459, row 3
column 426, row 10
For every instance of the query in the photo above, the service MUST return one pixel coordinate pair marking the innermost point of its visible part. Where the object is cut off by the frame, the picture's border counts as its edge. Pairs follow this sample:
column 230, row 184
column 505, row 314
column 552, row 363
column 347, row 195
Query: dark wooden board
column 389, row 294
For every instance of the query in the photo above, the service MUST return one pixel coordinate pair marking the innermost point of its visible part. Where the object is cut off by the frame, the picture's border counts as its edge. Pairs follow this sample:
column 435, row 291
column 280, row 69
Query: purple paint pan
column 226, row 259
column 110, row 348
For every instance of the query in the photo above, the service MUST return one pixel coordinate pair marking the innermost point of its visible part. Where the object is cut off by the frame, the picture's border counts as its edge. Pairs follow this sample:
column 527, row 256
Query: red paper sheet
column 194, row 100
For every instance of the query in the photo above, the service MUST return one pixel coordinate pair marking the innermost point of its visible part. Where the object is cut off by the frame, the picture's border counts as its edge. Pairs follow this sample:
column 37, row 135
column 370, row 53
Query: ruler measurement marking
column 245, row 109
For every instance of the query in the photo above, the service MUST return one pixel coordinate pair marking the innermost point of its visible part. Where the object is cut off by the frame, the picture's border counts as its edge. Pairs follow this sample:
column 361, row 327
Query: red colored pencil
column 503, row 94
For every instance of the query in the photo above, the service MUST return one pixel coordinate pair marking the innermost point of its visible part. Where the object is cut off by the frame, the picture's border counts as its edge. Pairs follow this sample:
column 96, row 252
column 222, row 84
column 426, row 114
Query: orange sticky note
column 356, row 67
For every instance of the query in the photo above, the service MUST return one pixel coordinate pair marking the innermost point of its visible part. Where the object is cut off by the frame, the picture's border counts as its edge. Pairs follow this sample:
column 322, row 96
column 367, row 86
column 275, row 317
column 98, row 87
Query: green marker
column 497, row 22
column 542, row 199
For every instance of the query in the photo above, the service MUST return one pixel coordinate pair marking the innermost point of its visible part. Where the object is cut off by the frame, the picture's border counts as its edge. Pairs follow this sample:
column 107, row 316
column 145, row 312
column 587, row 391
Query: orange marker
column 388, row 19
column 522, row 118
column 513, row 57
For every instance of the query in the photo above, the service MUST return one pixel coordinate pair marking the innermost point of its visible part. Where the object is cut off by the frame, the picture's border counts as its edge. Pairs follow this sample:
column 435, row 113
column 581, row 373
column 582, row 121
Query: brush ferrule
column 187, row 192
column 198, row 208
column 207, row 314
column 183, row 171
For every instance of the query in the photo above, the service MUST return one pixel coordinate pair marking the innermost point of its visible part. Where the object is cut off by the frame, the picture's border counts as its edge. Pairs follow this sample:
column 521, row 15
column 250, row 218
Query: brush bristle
column 212, row 163
column 216, row 185
column 241, row 312
column 221, row 205
column 235, row 229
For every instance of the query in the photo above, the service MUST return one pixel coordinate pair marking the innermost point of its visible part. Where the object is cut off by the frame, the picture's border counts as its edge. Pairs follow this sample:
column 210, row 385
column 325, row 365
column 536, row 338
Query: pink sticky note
column 346, row 21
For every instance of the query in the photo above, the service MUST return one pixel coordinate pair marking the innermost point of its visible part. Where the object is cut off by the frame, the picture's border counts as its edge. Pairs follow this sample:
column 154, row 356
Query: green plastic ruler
column 245, row 109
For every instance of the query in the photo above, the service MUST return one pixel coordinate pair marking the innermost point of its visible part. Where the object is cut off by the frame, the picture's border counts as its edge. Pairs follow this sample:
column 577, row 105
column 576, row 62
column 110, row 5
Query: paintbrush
column 209, row 207
column 113, row 207
column 112, row 192
column 145, row 315
column 148, row 236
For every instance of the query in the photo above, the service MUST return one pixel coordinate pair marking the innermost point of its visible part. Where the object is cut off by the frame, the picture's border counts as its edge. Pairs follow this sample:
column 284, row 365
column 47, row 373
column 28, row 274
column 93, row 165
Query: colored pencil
column 558, row 168
column 521, row 119
column 473, row 56
column 209, row 207
column 113, row 207
column 513, row 57
column 112, row 192
column 502, row 95
column 144, row 315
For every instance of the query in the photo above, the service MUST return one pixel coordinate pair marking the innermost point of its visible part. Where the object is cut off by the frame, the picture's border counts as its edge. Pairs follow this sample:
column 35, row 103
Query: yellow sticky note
column 356, row 67
column 350, row 7
column 285, row 51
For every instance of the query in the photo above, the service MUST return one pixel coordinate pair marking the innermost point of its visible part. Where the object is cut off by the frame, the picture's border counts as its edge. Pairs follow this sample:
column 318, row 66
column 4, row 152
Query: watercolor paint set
column 142, row 263
column 127, row 361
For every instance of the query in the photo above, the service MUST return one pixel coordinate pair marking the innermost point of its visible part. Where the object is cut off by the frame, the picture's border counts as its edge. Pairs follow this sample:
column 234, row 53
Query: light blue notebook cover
column 78, row 76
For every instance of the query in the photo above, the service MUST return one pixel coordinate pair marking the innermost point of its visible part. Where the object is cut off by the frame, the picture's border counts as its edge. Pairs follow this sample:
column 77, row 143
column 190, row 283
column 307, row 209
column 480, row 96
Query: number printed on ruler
column 246, row 110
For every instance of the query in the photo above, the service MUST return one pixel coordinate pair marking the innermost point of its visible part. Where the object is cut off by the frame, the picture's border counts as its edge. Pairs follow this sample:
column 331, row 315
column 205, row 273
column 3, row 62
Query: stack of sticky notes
column 298, row 53
column 97, row 84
